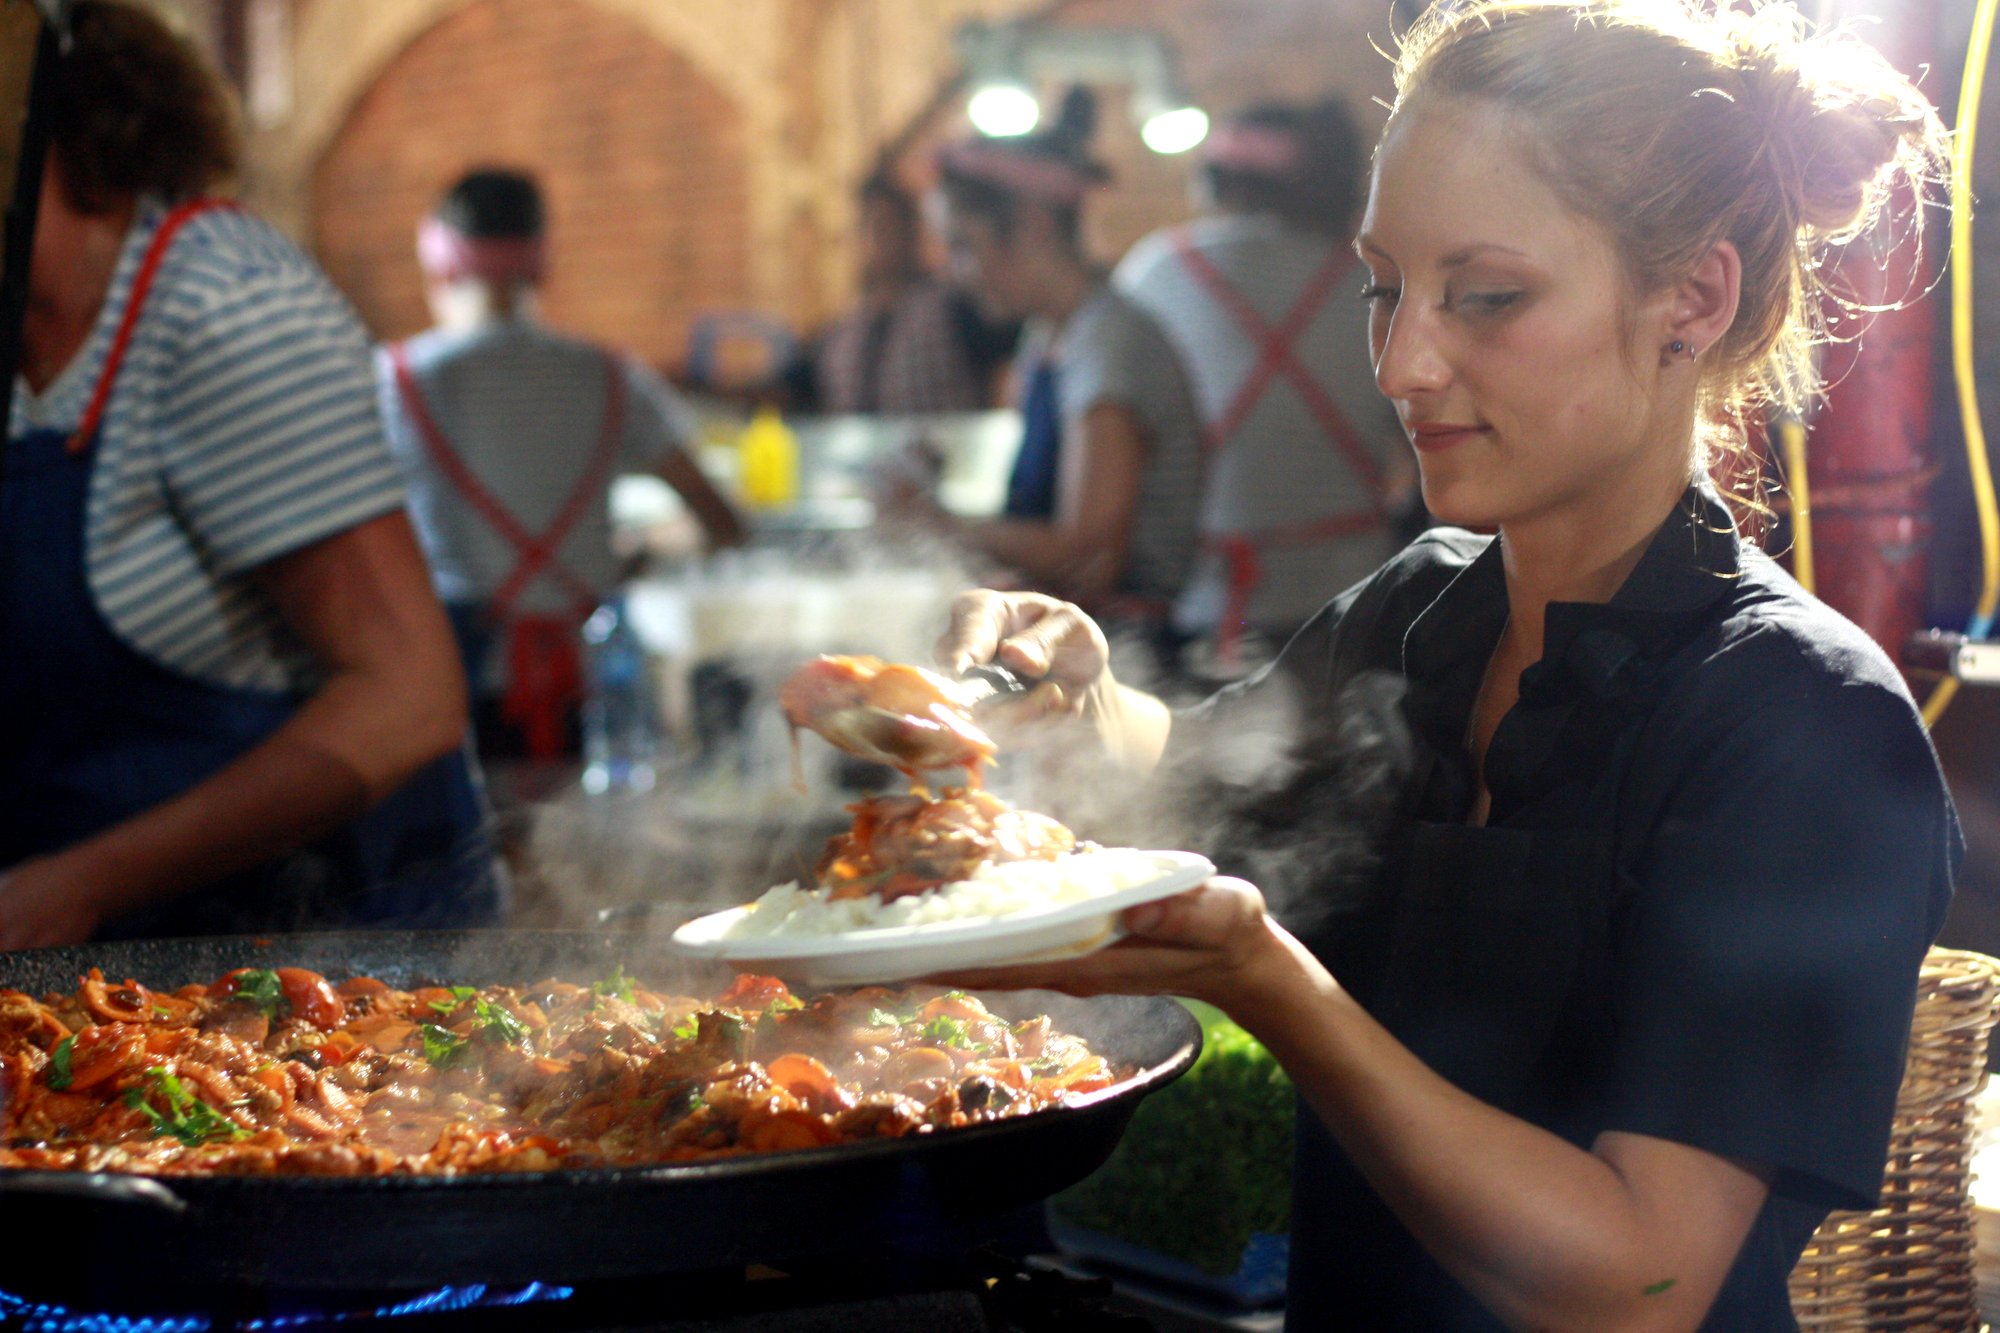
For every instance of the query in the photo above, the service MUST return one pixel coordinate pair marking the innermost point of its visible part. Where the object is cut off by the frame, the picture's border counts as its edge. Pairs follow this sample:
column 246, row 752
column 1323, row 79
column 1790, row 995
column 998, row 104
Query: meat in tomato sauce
column 279, row 1071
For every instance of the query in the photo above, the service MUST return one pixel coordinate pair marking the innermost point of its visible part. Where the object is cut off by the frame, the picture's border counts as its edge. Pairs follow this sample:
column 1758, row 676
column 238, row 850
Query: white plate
column 896, row 953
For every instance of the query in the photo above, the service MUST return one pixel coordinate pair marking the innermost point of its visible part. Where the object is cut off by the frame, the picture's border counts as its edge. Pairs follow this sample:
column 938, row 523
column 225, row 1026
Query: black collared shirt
column 1717, row 849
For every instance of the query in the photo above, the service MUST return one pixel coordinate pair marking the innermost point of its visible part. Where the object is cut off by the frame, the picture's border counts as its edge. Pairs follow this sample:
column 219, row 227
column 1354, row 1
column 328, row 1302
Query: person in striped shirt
column 231, row 698
column 510, row 435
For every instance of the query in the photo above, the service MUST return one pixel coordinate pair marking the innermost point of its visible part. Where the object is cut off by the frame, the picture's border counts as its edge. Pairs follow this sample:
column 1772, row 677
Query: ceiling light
column 1175, row 130
column 1003, row 110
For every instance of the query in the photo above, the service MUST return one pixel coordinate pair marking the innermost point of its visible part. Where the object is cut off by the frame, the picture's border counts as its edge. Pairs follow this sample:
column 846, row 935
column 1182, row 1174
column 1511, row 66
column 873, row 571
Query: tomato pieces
column 750, row 991
column 307, row 993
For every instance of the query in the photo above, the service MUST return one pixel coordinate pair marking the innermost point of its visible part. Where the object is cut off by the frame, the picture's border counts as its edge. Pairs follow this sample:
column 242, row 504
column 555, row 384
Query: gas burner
column 981, row 1292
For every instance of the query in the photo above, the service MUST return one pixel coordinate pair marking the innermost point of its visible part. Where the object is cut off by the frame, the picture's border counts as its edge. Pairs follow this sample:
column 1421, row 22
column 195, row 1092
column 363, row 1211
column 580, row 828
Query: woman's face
column 1502, row 331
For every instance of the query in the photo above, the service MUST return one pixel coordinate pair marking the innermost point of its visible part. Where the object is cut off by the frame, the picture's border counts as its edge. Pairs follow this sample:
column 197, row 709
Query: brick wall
column 642, row 159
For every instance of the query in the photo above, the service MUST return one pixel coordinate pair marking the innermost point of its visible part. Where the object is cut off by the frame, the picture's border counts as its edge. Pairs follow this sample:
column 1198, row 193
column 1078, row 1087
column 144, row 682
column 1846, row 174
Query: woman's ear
column 1704, row 305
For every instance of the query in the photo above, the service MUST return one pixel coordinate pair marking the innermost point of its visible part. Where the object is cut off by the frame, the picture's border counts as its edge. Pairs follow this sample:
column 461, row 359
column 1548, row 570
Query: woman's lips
column 1430, row 437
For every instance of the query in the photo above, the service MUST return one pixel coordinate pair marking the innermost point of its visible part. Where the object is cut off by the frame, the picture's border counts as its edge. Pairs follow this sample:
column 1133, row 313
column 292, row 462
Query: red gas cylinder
column 1870, row 447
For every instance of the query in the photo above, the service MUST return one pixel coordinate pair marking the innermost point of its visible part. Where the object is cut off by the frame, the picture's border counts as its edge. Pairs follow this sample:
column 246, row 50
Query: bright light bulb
column 1175, row 131
column 1003, row 110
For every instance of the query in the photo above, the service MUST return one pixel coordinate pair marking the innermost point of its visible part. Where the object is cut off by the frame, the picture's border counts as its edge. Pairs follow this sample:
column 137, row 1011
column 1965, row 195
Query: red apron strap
column 1244, row 570
column 135, row 304
column 1276, row 356
column 589, row 489
column 544, row 679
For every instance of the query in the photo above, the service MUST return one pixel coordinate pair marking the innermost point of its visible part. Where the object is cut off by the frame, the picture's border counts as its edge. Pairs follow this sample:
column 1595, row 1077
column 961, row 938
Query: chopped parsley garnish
column 161, row 1011
column 882, row 1018
column 1662, row 1285
column 947, row 1031
column 59, row 1071
column 442, row 1047
column 187, row 1117
column 459, row 995
column 497, row 1023
column 618, row 983
column 260, row 986
column 688, row 1028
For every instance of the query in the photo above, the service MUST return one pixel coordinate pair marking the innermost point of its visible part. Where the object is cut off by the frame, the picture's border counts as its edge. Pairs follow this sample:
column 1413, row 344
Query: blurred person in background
column 1102, row 501
column 510, row 435
column 1308, row 470
column 914, row 343
column 232, row 702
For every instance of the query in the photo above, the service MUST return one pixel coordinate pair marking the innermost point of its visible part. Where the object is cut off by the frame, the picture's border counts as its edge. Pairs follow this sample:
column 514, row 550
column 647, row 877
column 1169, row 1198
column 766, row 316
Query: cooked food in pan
column 278, row 1071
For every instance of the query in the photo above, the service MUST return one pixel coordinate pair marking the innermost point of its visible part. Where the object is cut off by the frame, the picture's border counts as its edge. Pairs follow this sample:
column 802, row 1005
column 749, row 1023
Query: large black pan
column 68, row 1231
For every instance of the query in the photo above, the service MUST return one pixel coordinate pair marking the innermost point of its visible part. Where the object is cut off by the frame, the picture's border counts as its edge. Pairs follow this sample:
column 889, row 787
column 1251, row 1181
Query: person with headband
column 1308, row 473
column 232, row 703
column 1607, row 856
column 1102, row 499
column 510, row 436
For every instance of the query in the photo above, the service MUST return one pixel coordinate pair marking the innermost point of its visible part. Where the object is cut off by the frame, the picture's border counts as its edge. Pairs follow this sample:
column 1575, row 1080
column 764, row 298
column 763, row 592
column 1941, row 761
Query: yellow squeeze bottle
column 768, row 461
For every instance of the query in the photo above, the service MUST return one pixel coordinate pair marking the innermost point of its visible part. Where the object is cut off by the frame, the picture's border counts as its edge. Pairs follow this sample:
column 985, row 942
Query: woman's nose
column 1408, row 360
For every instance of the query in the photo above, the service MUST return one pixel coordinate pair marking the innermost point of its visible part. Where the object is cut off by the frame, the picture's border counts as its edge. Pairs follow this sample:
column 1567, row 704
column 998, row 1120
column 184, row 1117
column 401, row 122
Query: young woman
column 1101, row 506
column 231, row 700
column 1617, row 1012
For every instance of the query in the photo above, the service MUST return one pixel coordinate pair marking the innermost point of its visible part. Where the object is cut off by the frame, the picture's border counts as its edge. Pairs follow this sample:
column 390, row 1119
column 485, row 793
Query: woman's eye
column 1376, row 292
column 1488, row 303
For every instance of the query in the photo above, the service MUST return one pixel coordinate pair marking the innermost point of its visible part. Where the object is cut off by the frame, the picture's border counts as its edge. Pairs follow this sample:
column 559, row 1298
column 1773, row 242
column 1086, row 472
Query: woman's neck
column 62, row 308
column 1583, row 553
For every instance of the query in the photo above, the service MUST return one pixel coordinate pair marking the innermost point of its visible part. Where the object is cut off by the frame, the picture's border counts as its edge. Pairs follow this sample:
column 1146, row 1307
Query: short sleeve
column 1118, row 357
column 272, row 435
column 1798, row 872
column 659, row 418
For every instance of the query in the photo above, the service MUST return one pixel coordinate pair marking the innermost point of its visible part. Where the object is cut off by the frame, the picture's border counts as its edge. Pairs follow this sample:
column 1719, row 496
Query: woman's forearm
column 346, row 748
column 1547, row 1234
column 1053, row 556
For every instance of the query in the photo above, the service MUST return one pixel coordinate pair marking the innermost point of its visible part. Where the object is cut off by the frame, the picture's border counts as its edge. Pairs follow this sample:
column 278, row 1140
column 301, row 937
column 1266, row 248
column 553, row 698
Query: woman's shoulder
column 1773, row 634
column 227, row 247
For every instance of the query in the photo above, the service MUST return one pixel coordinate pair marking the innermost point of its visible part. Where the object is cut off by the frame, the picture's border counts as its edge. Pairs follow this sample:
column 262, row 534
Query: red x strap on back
column 544, row 676
column 1275, row 356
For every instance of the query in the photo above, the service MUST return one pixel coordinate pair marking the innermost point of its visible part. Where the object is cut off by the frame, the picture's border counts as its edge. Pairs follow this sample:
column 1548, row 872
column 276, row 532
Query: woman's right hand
column 1039, row 638
column 1052, row 643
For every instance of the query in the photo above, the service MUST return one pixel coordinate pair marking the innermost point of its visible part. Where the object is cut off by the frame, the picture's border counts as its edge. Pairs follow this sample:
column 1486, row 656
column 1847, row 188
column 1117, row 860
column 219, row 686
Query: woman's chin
column 1456, row 507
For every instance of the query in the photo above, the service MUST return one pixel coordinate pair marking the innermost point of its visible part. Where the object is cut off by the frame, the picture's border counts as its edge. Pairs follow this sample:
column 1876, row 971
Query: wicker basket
column 1908, row 1264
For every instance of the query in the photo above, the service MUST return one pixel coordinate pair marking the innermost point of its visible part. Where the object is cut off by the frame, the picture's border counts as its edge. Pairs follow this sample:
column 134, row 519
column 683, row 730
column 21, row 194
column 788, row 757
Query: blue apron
column 1031, row 487
column 93, row 733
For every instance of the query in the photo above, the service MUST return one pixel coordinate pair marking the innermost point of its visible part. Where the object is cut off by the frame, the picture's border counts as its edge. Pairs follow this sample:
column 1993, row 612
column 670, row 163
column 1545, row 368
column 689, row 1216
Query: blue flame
column 28, row 1316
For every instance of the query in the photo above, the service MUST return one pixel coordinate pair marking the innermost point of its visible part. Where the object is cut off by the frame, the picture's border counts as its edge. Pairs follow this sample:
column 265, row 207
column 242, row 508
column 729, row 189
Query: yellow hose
column 1961, row 342
column 1792, row 443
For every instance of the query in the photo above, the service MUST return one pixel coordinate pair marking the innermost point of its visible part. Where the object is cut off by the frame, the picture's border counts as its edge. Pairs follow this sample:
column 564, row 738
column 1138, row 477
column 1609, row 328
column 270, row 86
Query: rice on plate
column 995, row 891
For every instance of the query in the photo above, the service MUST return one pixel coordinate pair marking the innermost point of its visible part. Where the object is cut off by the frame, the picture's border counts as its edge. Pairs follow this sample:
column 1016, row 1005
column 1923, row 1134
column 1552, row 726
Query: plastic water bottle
column 621, row 730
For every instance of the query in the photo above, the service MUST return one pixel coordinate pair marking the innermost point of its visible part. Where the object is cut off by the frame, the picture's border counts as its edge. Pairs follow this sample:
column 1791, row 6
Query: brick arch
column 642, row 159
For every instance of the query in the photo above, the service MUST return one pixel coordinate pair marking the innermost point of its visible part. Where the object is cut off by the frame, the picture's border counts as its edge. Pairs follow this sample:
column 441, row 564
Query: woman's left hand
column 43, row 903
column 1214, row 943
